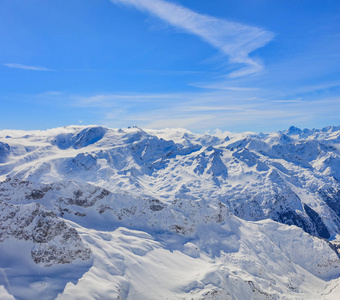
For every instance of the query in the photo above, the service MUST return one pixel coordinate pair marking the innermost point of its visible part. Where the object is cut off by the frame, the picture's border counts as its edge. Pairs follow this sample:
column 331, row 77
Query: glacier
column 89, row 212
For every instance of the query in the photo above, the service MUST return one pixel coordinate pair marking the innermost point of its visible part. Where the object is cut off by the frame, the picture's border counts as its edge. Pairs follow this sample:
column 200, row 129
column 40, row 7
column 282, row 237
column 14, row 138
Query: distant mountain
column 155, row 214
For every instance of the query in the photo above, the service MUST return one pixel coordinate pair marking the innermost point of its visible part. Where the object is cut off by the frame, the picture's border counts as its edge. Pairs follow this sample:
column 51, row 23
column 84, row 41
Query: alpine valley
column 88, row 212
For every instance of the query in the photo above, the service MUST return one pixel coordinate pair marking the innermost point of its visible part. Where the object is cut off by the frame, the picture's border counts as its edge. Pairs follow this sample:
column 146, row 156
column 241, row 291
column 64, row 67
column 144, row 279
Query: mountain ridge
column 188, row 187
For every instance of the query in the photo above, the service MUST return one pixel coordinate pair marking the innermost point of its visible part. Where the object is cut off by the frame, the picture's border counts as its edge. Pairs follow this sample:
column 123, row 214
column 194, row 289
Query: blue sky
column 246, row 65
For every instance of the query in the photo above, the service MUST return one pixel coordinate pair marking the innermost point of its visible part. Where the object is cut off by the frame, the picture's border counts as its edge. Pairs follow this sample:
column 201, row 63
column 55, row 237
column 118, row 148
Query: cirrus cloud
column 233, row 39
column 25, row 67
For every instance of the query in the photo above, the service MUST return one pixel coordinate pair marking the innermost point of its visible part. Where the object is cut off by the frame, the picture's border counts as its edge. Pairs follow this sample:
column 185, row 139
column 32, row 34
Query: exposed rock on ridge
column 54, row 242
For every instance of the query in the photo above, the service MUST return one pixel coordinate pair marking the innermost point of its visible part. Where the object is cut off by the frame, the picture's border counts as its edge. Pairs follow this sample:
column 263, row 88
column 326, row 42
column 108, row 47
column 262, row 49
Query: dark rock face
column 84, row 138
column 317, row 222
column 4, row 151
column 292, row 218
column 82, row 199
column 335, row 245
column 309, row 221
column 89, row 136
column 36, row 195
column 156, row 205
column 54, row 241
column 332, row 199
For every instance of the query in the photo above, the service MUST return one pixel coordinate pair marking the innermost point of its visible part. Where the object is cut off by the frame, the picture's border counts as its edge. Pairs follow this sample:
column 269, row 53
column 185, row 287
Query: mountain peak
column 292, row 130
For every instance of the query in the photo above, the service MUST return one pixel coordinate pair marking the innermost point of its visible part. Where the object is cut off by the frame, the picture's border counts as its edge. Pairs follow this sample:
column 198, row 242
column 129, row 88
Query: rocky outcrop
column 54, row 242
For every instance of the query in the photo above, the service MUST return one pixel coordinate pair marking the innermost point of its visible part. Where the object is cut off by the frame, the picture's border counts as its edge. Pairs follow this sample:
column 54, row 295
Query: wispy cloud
column 227, row 110
column 210, row 108
column 109, row 100
column 182, row 121
column 290, row 101
column 223, row 86
column 25, row 67
column 233, row 39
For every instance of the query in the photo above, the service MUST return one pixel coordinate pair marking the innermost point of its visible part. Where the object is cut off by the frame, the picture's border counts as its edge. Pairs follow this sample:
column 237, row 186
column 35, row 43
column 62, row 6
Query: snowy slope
column 169, row 214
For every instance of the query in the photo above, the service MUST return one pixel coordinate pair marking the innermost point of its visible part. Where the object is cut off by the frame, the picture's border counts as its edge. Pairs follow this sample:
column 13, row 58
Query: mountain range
column 89, row 212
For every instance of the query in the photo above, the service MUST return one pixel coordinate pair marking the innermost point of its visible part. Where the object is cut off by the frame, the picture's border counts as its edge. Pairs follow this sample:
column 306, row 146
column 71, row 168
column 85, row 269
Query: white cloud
column 227, row 110
column 109, row 100
column 233, row 39
column 224, row 86
column 182, row 122
column 210, row 108
column 25, row 67
column 290, row 101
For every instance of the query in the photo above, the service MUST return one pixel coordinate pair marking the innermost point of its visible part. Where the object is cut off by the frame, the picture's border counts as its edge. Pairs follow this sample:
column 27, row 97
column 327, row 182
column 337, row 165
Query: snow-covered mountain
column 168, row 214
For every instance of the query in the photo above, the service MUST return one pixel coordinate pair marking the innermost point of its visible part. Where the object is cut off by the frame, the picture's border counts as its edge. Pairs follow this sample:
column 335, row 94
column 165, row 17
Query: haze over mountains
column 89, row 212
